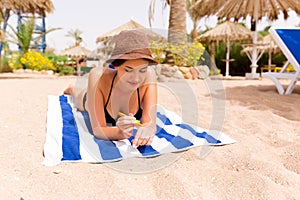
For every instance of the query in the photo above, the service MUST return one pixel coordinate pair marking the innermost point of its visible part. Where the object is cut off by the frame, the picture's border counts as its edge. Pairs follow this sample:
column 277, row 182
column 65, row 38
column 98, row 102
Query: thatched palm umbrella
column 271, row 47
column 108, row 38
column 130, row 25
column 76, row 53
column 240, row 9
column 267, row 44
column 227, row 32
column 28, row 6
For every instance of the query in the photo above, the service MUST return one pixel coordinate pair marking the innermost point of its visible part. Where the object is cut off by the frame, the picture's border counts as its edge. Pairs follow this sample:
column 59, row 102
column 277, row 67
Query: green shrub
column 4, row 65
column 58, row 61
column 14, row 61
column 66, row 70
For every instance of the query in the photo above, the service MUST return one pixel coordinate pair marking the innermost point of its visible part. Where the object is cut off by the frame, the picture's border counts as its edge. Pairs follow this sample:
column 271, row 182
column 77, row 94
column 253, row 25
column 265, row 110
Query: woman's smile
column 133, row 83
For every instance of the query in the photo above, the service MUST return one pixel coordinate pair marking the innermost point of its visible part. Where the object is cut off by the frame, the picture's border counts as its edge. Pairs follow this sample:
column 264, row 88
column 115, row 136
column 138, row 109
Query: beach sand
column 264, row 163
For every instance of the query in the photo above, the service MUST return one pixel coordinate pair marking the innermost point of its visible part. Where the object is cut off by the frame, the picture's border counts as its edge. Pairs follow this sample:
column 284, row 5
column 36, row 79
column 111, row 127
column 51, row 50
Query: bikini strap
column 138, row 91
column 112, row 84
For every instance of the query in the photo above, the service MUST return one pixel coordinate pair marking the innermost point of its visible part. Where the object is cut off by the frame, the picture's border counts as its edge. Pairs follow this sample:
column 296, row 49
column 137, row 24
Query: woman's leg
column 94, row 76
column 79, row 90
column 77, row 93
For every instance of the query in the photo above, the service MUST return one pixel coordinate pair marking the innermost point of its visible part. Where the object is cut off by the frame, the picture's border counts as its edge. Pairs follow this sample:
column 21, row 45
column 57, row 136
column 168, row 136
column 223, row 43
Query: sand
column 264, row 163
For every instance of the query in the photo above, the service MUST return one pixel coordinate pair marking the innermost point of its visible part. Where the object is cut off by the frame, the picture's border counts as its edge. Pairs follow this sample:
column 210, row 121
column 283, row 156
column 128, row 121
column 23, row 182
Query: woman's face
column 132, row 73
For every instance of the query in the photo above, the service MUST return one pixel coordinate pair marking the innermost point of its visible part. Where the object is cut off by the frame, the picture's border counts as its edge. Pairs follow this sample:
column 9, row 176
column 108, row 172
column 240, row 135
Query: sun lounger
column 288, row 39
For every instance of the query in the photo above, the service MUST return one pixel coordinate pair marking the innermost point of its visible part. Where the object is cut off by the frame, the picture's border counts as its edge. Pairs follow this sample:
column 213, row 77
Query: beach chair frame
column 284, row 39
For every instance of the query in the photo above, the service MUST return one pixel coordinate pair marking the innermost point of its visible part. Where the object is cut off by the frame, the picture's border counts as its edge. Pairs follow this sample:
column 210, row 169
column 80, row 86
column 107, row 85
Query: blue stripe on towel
column 177, row 141
column 163, row 118
column 144, row 150
column 147, row 150
column 87, row 122
column 108, row 149
column 209, row 138
column 70, row 136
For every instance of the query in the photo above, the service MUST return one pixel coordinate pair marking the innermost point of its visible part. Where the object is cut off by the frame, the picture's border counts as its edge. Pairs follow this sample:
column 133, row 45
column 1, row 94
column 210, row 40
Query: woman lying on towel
column 128, row 88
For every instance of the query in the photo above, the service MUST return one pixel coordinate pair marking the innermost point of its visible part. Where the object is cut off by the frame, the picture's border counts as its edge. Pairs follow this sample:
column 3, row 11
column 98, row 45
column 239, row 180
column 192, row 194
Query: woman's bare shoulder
column 108, row 74
column 106, row 77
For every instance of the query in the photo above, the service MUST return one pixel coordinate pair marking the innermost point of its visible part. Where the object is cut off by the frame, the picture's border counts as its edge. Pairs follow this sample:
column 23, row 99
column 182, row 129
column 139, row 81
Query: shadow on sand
column 263, row 97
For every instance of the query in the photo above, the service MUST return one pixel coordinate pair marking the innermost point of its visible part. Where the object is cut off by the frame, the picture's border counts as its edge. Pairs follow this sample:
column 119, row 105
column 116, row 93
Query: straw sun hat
column 131, row 44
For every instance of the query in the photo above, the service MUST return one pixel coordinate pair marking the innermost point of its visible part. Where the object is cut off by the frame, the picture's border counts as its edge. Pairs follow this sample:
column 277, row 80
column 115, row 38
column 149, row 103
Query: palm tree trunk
column 177, row 25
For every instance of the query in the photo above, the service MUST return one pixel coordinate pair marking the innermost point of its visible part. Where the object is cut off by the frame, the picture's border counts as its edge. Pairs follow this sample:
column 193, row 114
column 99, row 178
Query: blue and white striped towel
column 69, row 136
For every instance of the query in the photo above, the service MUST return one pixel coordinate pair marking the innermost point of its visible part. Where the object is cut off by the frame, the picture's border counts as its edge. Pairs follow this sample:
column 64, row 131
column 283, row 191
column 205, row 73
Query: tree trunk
column 177, row 25
column 213, row 66
column 194, row 33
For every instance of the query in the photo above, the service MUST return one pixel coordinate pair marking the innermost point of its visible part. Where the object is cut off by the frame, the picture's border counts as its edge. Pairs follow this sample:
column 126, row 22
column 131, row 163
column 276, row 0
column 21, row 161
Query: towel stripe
column 87, row 121
column 70, row 137
column 89, row 150
column 167, row 121
column 163, row 118
column 144, row 150
column 147, row 150
column 209, row 138
column 108, row 149
column 177, row 141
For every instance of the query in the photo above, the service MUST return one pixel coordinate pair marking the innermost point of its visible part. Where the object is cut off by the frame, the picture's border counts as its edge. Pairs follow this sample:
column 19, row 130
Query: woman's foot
column 69, row 90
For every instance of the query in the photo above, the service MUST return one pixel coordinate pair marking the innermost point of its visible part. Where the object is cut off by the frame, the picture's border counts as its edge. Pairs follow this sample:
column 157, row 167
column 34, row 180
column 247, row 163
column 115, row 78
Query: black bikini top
column 108, row 117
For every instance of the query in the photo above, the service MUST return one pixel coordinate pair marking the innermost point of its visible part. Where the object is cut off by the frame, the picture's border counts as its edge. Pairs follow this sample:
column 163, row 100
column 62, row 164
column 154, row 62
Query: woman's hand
column 126, row 125
column 144, row 135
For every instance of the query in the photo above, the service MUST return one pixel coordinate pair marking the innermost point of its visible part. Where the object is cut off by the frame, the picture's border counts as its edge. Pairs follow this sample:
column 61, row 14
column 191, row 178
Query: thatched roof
column 227, row 31
column 76, row 52
column 28, row 6
column 266, row 43
column 240, row 9
column 271, row 43
column 130, row 25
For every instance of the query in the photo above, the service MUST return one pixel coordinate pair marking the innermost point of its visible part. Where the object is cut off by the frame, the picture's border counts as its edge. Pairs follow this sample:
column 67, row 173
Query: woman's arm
column 149, row 99
column 149, row 103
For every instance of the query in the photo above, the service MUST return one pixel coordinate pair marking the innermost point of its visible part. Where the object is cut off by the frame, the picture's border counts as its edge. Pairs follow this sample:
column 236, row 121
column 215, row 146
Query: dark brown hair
column 117, row 62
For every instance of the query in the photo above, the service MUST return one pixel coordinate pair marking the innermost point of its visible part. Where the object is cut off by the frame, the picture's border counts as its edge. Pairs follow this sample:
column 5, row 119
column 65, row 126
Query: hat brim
column 131, row 56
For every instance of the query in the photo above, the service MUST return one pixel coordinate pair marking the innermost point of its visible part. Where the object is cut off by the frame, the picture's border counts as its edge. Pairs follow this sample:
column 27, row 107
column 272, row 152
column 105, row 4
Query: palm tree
column 24, row 36
column 40, row 7
column 194, row 33
column 177, row 22
column 76, row 35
